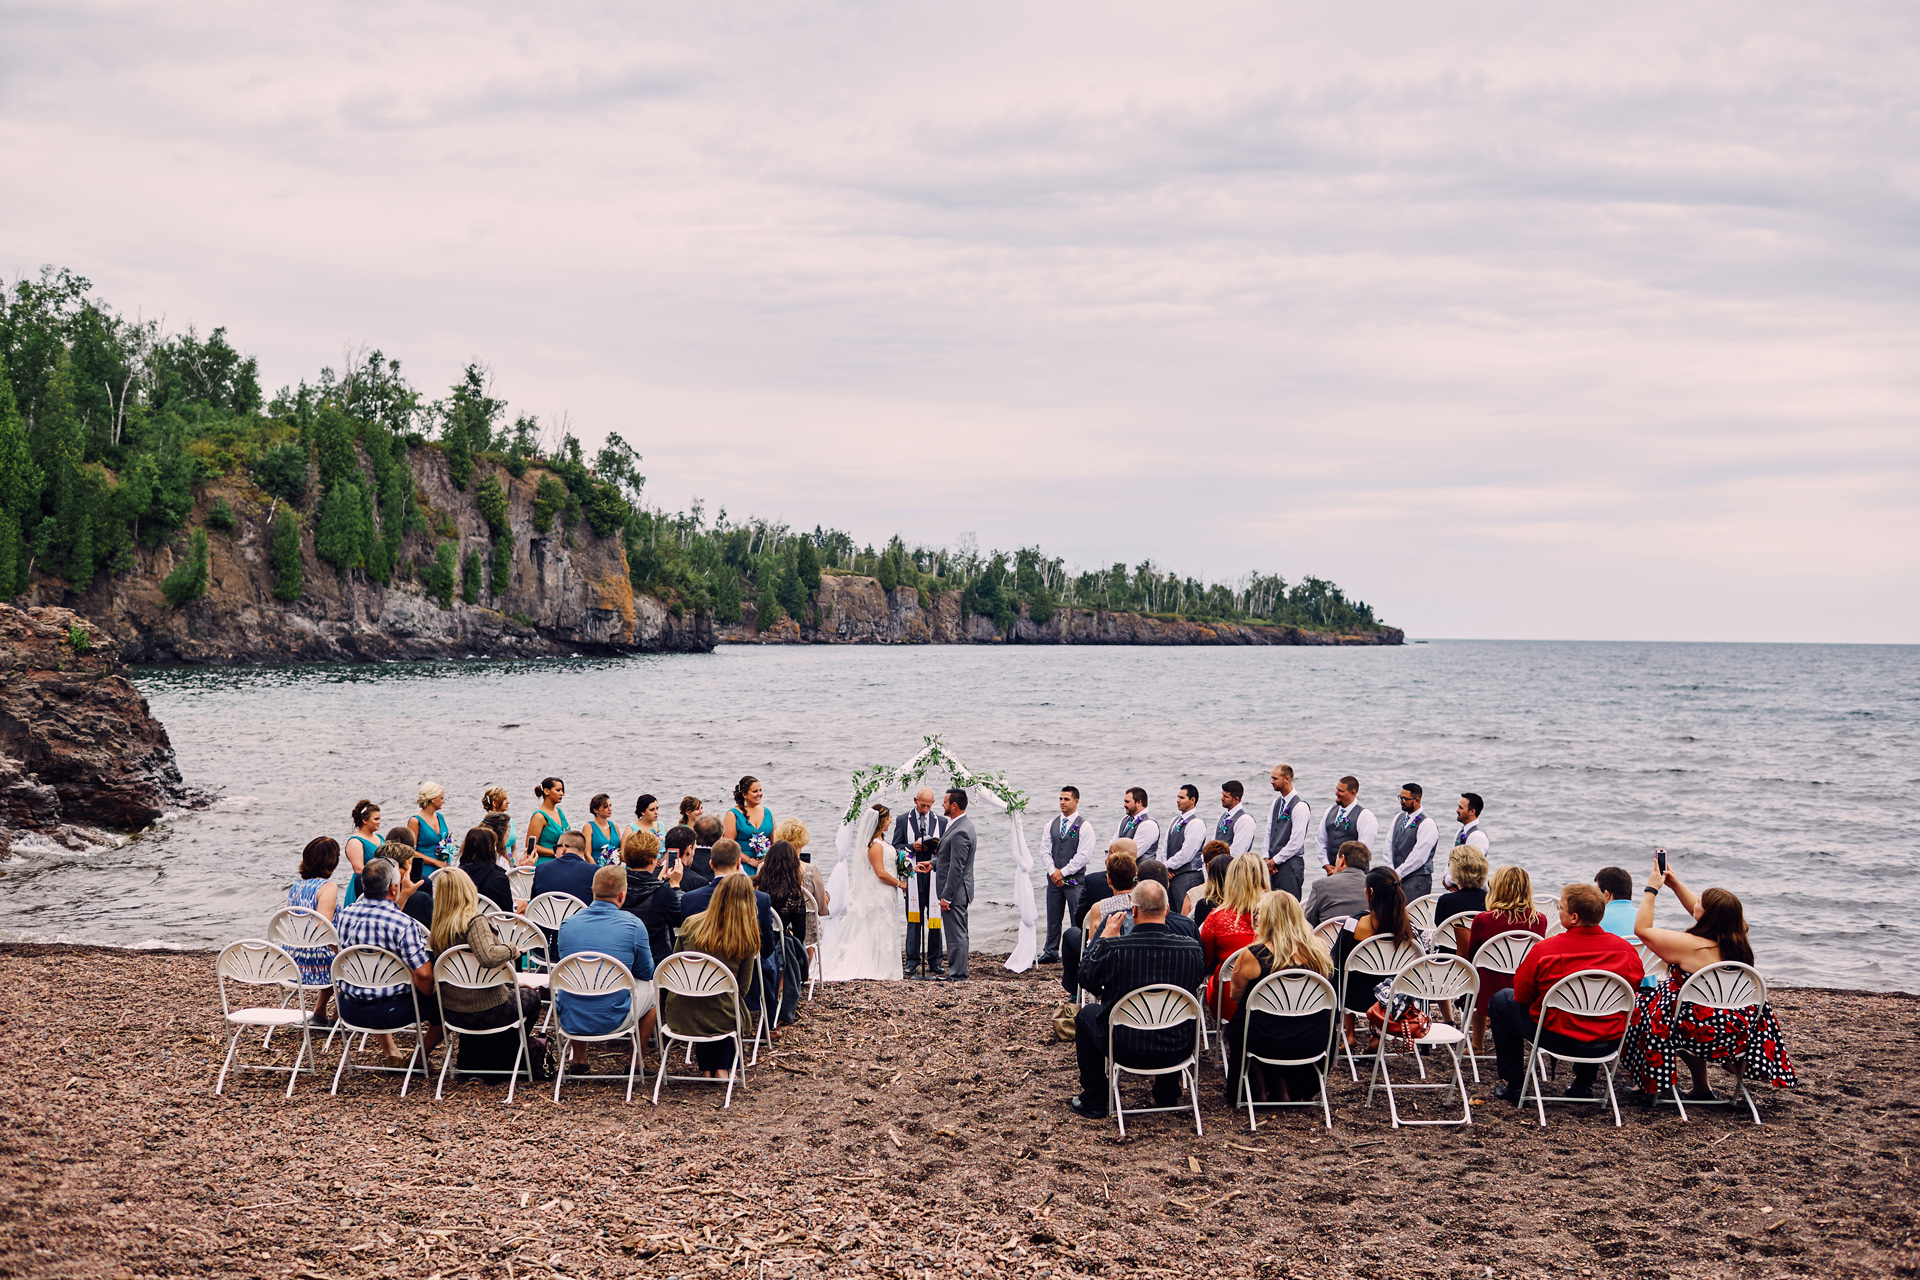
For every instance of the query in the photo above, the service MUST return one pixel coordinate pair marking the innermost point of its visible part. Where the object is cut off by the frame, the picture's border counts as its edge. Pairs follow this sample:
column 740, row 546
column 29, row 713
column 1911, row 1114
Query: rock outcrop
column 854, row 610
column 78, row 747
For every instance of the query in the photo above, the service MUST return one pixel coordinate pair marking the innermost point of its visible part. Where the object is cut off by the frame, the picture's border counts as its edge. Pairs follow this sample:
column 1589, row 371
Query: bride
column 866, row 942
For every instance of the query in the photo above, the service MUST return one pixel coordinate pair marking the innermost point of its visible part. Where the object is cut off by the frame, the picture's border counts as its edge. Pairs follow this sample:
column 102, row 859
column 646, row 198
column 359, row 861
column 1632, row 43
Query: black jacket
column 656, row 904
column 491, row 881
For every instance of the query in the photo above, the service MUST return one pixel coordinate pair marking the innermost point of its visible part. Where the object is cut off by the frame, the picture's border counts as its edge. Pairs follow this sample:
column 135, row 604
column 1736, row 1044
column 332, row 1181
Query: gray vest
column 1282, row 831
column 1130, row 825
column 1176, row 838
column 1406, row 829
column 1339, row 832
column 1063, row 840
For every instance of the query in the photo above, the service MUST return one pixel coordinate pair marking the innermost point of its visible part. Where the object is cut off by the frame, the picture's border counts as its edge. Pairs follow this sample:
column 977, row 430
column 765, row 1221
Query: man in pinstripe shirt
column 1114, row 966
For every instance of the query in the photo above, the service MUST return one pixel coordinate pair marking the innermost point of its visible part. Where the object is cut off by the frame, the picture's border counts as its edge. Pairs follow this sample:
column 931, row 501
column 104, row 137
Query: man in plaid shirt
column 1113, row 967
column 376, row 921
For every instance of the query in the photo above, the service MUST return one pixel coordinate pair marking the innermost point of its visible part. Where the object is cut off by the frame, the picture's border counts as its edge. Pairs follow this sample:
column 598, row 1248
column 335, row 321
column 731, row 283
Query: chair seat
column 532, row 979
column 1442, row 1033
column 267, row 1017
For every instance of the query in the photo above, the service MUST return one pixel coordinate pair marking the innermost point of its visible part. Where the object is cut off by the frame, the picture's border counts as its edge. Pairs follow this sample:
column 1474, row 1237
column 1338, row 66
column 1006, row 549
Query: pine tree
column 20, row 479
column 188, row 581
column 440, row 578
column 726, row 595
column 500, row 574
column 288, row 566
column 766, row 606
column 470, row 578
column 337, row 540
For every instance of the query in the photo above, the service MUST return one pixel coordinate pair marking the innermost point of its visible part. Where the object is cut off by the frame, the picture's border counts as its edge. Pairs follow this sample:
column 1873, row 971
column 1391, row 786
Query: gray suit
column 1344, row 893
column 953, row 866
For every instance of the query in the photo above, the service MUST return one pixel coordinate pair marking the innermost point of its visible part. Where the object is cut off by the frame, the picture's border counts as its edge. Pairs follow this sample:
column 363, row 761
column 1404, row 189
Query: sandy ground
column 905, row 1130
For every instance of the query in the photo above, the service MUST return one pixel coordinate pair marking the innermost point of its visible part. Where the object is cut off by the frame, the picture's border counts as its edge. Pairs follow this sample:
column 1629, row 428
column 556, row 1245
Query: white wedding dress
column 866, row 940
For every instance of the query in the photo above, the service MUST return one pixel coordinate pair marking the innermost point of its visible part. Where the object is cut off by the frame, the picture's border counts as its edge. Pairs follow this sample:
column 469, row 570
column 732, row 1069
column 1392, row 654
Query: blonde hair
column 1247, row 881
column 429, row 792
column 1281, row 927
column 493, row 799
column 1510, row 893
column 455, row 903
column 793, row 831
column 1468, row 866
column 639, row 846
column 730, row 926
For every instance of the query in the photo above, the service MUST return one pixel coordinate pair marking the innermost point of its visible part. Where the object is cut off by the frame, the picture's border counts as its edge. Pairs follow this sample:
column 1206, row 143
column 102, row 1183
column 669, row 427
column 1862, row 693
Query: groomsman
column 1070, row 846
column 1467, row 813
column 1287, row 825
column 917, row 833
column 1236, row 824
column 1345, row 821
column 1183, row 840
column 1413, row 841
column 1137, row 826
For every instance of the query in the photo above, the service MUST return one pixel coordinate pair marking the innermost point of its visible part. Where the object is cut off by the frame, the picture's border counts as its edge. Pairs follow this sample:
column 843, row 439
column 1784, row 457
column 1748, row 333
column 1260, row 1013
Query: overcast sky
column 1517, row 320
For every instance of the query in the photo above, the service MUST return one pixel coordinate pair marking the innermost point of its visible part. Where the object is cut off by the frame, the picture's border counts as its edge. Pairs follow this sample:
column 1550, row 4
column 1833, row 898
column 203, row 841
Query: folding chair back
column 698, row 975
column 1454, row 930
column 1156, row 1008
column 593, row 973
column 520, row 883
column 551, row 910
column 1591, row 995
column 521, row 934
column 1434, row 978
column 254, row 962
column 1727, row 984
column 459, row 967
column 363, row 966
column 1650, row 964
column 1290, row 993
column 1381, row 957
column 1503, row 952
column 1428, row 979
column 301, row 928
column 1546, row 903
column 1328, row 930
column 1554, row 927
column 1420, row 912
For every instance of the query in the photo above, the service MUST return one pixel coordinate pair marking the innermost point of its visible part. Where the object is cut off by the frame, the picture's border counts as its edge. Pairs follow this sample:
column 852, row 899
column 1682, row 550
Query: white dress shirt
column 1084, row 854
column 1242, row 831
column 1475, row 837
column 1423, row 842
column 1146, row 832
column 1366, row 829
column 1302, row 823
column 1196, row 839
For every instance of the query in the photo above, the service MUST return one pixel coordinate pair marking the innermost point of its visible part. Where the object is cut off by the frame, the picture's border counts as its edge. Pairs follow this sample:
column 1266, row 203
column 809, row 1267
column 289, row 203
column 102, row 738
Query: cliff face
column 77, row 744
column 569, row 593
column 854, row 610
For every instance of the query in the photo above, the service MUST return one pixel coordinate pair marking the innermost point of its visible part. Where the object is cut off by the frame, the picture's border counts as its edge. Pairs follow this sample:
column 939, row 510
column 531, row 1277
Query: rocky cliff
column 78, row 748
column 569, row 592
column 854, row 610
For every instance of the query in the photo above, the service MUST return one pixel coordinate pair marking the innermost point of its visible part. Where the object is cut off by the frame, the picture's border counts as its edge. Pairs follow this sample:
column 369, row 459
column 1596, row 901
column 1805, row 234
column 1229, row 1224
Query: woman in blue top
column 316, row 891
column 430, row 835
column 549, row 821
column 749, row 823
column 363, row 844
column 603, row 833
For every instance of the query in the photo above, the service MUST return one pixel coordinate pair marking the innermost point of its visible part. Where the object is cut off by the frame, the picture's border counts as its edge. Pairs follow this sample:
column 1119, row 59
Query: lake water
column 1785, row 773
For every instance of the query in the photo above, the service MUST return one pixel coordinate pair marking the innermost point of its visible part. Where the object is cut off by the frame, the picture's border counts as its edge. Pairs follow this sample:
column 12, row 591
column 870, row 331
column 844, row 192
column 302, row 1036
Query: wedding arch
column 993, row 788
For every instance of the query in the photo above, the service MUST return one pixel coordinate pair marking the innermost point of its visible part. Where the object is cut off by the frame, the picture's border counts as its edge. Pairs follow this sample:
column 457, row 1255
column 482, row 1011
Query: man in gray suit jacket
column 953, row 867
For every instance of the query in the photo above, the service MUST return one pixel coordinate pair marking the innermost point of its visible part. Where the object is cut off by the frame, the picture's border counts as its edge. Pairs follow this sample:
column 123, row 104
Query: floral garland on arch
column 868, row 782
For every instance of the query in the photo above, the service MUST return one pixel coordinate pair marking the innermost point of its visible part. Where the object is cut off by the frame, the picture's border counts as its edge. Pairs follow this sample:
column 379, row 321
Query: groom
column 953, row 866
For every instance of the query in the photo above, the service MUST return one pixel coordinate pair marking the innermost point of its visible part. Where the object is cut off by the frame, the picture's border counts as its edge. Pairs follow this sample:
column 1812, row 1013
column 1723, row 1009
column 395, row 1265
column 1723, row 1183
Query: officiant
column 916, row 833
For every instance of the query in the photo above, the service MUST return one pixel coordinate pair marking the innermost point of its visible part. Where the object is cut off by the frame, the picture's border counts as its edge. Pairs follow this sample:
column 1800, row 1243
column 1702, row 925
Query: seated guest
column 1115, row 886
column 1229, row 926
column 1509, row 907
column 1622, row 910
column 726, row 861
column 794, row 832
column 706, row 834
column 653, row 898
column 316, row 891
column 1466, row 869
column 416, row 893
column 728, row 929
column 779, row 879
column 1282, row 940
column 1203, row 899
column 1155, row 870
column 1747, row 1041
column 502, row 827
column 1342, row 891
column 1386, row 916
column 605, row 928
column 377, row 921
column 480, row 860
column 679, row 853
column 1515, row 1012
column 570, row 870
column 460, row 921
column 1115, row 967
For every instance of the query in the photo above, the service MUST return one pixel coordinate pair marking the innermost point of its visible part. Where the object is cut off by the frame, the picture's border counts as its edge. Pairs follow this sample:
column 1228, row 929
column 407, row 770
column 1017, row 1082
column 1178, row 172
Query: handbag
column 1400, row 1015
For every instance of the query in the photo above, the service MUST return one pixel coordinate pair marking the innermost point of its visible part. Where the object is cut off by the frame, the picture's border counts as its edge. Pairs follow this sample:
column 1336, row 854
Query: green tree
column 766, row 606
column 787, row 590
column 888, row 571
column 726, row 595
column 548, row 497
column 467, row 418
column 340, row 537
column 288, row 563
column 806, row 566
column 470, row 578
column 221, row 517
column 441, row 577
column 492, row 501
column 20, row 480
column 500, row 573
column 188, row 581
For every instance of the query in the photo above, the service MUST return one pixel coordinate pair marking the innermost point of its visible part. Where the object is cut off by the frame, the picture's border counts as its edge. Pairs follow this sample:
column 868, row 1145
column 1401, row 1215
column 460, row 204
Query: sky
column 1539, row 320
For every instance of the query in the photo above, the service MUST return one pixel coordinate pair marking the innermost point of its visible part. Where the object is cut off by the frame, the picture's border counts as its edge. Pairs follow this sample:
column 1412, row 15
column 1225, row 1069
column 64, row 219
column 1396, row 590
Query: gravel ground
column 908, row 1130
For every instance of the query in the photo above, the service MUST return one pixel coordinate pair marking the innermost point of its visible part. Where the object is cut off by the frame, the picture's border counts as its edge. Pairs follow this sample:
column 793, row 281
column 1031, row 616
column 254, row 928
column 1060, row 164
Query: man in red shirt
column 1515, row 1014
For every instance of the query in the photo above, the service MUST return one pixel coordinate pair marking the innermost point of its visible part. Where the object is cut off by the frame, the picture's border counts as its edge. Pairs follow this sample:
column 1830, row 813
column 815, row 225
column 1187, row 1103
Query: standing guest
column 1287, row 825
column 653, row 894
column 1509, row 907
column 494, row 802
column 316, row 891
column 1282, row 941
column 1346, row 820
column 1412, row 843
column 376, row 921
column 795, row 833
column 1343, row 891
column 1235, row 828
column 1149, row 955
column 603, row 833
column 1183, row 840
column 727, row 929
column 1621, row 910
column 604, row 928
column 460, row 920
column 916, row 834
column 362, row 845
column 480, row 861
column 1467, row 813
column 726, row 864
column 780, row 880
column 1155, row 870
column 549, row 821
column 569, row 872
column 953, row 867
column 680, row 851
column 1515, row 1012
column 1229, row 926
column 690, row 810
column 1120, row 878
column 1467, row 870
column 749, row 823
column 1214, row 890
column 1746, row 1040
column 646, row 817
column 429, row 831
column 1386, row 917
column 1137, row 825
column 706, row 834
column 1070, row 842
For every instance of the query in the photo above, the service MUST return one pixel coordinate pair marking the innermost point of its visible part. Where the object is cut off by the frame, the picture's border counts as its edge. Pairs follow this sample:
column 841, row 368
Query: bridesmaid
column 690, row 810
column 364, row 843
column 549, row 821
column 749, row 823
column 494, row 800
column 603, row 833
column 430, row 835
column 646, row 813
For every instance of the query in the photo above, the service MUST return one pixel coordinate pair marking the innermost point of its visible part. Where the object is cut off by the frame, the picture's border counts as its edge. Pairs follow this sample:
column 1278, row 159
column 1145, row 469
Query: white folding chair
column 520, row 884
column 536, row 947
column 1725, row 985
column 1452, row 933
column 813, row 948
column 253, row 962
column 1554, row 927
column 1328, row 930
column 592, row 973
column 301, row 929
column 375, row 967
column 1591, row 995
column 1547, row 904
column 1650, row 964
column 1502, row 953
column 1377, row 957
column 697, row 975
column 459, row 968
column 1420, row 912
column 1221, row 977
column 769, row 1018
column 1291, row 993
column 1156, row 1008
column 1430, row 979
column 551, row 910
